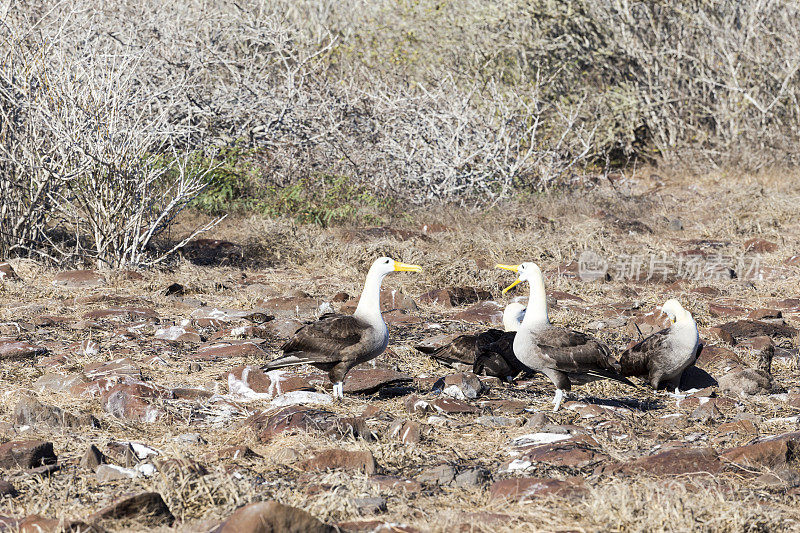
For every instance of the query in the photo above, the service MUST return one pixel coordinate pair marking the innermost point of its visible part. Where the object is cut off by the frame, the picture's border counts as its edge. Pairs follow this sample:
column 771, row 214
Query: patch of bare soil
column 134, row 401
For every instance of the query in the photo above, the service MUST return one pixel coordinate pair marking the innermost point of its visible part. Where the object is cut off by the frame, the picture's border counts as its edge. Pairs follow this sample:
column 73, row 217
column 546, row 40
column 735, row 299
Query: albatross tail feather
column 288, row 360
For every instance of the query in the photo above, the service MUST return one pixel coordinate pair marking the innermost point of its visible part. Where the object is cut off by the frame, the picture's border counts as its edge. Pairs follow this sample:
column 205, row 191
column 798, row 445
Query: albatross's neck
column 536, row 312
column 369, row 305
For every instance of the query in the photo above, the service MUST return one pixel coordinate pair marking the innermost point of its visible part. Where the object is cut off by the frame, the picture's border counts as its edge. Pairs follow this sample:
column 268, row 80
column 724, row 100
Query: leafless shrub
column 94, row 155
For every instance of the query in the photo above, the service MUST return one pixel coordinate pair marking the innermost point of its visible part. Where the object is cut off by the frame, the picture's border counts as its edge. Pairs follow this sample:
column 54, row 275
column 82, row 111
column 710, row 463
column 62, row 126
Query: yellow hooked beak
column 404, row 267
column 513, row 268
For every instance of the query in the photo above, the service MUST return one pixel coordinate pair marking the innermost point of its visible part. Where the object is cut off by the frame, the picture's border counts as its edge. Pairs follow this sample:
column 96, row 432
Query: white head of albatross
column 675, row 311
column 336, row 343
column 513, row 315
column 536, row 312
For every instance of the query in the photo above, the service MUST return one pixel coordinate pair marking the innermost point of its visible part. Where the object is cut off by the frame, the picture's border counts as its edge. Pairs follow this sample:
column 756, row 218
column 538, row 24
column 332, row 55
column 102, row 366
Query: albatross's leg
column 338, row 390
column 561, row 381
column 559, row 397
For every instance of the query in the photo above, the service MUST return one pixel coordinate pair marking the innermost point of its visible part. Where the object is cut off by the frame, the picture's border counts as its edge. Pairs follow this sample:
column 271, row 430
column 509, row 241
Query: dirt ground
column 689, row 237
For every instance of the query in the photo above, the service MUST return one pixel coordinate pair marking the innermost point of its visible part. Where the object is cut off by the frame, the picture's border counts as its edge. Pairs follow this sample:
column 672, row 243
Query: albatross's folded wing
column 322, row 341
column 574, row 352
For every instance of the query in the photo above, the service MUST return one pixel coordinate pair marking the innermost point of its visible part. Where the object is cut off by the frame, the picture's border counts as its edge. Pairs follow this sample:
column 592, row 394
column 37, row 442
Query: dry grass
column 321, row 263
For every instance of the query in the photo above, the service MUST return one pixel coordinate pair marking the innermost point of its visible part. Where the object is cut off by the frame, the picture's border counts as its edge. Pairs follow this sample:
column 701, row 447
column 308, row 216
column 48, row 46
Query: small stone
column 462, row 386
column 7, row 273
column 78, row 279
column 241, row 452
column 406, row 431
column 760, row 246
column 415, row 404
column 451, row 406
column 146, row 508
column 7, row 489
column 13, row 350
column 472, row 477
column 272, row 517
column 106, row 472
column 30, row 412
column 526, row 489
column 772, row 452
column 438, row 475
column 21, row 455
column 370, row 505
column 335, row 459
column 675, row 224
column 488, row 312
column 746, row 382
column 93, row 458
column 706, row 412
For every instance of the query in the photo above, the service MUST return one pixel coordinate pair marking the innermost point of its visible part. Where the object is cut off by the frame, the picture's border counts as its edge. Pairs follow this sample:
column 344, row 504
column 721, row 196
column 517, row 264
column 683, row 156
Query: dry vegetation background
column 521, row 127
column 117, row 115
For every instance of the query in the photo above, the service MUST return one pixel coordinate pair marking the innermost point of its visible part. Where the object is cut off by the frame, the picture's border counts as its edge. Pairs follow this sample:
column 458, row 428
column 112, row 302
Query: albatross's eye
column 386, row 262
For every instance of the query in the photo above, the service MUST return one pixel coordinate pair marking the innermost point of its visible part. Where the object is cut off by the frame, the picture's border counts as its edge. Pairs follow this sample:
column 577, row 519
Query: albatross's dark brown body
column 335, row 343
column 490, row 352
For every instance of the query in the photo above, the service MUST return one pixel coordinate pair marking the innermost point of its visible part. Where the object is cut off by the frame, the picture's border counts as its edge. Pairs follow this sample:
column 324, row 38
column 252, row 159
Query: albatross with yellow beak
column 335, row 343
column 561, row 354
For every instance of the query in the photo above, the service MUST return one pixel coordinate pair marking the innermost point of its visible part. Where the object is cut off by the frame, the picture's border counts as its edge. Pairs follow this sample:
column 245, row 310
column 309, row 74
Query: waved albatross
column 561, row 354
column 336, row 343
column 663, row 356
column 490, row 352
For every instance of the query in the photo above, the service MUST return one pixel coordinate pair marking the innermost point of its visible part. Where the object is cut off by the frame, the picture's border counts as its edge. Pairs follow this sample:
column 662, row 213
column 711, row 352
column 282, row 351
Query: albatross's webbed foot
column 338, row 390
column 559, row 397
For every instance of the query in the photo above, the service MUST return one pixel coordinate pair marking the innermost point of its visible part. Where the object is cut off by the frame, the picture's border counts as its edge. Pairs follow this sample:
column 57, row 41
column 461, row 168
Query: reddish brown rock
column 147, row 508
column 122, row 314
column 716, row 309
column 760, row 246
column 452, row 406
column 282, row 328
column 272, row 517
column 225, row 350
column 24, row 454
column 718, row 333
column 179, row 334
column 250, row 381
column 39, row 524
column 757, row 344
column 293, row 419
column 7, row 273
column 336, row 459
column 772, row 452
column 762, row 312
column 133, row 401
column 677, row 461
column 14, row 350
column 488, row 312
column 716, row 354
column 78, row 279
column 528, row 488
column 391, row 299
column 742, row 329
column 369, row 380
column 122, row 367
column 290, row 306
column 406, row 431
column 647, row 324
column 455, row 296
column 574, row 452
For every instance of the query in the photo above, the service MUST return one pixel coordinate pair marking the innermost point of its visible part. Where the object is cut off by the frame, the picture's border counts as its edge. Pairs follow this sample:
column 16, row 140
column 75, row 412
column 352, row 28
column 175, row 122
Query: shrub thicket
column 113, row 112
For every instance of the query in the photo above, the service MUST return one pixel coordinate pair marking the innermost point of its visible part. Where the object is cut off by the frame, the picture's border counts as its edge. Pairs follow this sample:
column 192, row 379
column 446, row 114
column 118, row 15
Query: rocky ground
column 134, row 400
